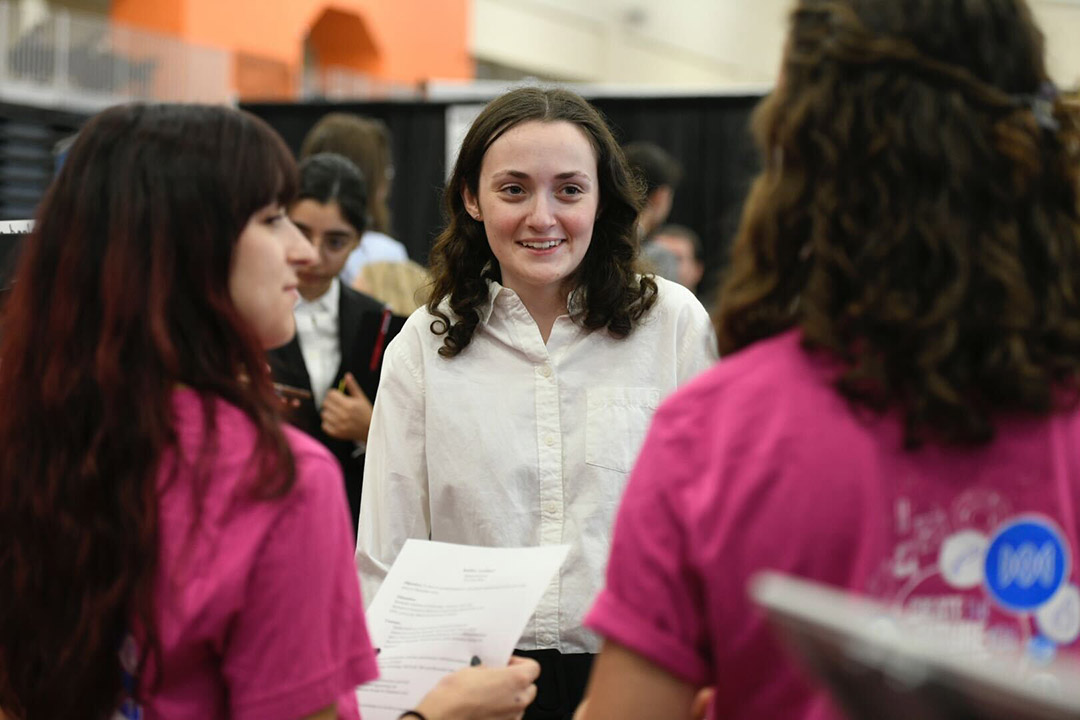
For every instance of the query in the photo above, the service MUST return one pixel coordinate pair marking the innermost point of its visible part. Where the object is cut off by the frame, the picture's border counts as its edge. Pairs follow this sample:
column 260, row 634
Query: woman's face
column 538, row 198
column 263, row 279
column 332, row 239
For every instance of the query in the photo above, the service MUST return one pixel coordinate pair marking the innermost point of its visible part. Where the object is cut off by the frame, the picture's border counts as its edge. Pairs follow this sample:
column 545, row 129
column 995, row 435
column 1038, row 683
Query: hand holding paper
column 483, row 693
column 442, row 604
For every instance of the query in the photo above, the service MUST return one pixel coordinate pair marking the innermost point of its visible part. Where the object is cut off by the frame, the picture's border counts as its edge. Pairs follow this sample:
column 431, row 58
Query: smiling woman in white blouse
column 511, row 407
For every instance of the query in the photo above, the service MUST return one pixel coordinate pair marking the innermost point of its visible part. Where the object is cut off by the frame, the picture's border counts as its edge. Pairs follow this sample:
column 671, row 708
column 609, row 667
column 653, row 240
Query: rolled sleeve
column 652, row 602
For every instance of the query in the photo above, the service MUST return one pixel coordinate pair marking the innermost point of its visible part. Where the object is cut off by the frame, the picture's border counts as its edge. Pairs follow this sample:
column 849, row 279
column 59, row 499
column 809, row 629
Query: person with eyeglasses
column 331, row 366
column 365, row 141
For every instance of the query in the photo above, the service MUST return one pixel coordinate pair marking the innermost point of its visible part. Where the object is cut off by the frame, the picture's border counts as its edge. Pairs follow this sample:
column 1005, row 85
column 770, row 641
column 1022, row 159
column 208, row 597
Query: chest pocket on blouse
column 615, row 424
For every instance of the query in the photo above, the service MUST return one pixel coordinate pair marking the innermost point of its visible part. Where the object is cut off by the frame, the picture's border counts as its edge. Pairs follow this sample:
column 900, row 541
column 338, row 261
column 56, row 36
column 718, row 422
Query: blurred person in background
column 366, row 142
column 897, row 410
column 660, row 174
column 685, row 245
column 168, row 548
column 335, row 356
column 401, row 285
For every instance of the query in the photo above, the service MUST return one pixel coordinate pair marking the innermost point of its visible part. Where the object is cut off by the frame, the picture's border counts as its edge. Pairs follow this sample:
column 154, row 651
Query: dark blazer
column 360, row 319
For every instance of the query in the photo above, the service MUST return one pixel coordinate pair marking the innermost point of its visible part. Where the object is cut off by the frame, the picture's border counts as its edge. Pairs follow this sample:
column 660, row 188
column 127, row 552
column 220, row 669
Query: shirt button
column 549, row 440
column 545, row 371
column 551, row 508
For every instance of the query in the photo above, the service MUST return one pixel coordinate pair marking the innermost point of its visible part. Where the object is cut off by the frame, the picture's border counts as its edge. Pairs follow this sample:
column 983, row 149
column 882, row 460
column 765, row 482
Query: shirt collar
column 494, row 290
column 575, row 301
column 328, row 302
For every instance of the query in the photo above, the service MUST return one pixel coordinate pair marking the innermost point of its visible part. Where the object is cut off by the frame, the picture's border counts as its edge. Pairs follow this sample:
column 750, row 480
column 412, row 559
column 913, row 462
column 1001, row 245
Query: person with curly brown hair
column 512, row 406
column 897, row 410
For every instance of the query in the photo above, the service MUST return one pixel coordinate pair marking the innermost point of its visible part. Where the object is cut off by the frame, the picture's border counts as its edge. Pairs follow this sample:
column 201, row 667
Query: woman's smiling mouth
column 541, row 244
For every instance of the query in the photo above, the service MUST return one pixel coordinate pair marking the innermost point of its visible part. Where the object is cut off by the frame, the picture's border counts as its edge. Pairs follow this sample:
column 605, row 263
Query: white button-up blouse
column 516, row 443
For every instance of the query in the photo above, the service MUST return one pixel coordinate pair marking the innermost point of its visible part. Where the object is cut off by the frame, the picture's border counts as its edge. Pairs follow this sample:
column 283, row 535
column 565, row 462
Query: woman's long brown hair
column 917, row 217
column 121, row 295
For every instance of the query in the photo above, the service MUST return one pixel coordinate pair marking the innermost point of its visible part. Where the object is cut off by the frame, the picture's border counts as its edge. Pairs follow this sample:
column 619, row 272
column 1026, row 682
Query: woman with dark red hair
column 168, row 549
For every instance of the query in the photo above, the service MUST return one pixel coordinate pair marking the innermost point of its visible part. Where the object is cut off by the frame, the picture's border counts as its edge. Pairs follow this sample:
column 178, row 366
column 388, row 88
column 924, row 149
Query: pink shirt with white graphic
column 760, row 463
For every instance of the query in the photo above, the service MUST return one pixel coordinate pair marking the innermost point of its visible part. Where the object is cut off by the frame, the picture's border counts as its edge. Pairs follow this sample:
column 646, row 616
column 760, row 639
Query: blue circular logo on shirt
column 1026, row 563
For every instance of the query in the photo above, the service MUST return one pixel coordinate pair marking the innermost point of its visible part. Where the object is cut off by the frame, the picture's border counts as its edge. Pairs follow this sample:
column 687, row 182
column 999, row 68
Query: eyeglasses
column 332, row 241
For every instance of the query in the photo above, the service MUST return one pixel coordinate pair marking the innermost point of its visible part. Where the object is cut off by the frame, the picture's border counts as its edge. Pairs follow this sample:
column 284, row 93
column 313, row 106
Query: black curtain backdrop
column 27, row 138
column 708, row 135
column 418, row 138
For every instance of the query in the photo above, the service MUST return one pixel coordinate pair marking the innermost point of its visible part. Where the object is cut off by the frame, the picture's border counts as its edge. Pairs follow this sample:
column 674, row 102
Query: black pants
column 561, row 684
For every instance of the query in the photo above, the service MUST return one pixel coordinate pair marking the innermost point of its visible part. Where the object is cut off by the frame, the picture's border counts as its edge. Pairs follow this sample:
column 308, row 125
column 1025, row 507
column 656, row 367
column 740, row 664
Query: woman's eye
column 335, row 244
column 572, row 190
column 513, row 190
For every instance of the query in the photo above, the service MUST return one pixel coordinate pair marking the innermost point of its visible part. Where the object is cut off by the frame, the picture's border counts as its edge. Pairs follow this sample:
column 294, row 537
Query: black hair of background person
column 656, row 166
column 709, row 136
column 327, row 178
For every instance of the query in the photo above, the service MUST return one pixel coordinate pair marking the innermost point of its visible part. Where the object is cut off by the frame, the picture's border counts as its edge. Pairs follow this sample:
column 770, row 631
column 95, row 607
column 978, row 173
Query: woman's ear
column 472, row 205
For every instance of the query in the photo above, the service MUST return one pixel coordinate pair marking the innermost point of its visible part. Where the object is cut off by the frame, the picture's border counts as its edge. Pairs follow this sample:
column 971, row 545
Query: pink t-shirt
column 259, row 609
column 759, row 463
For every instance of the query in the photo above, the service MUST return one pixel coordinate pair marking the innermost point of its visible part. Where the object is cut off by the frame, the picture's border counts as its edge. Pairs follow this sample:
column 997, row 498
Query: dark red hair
column 121, row 295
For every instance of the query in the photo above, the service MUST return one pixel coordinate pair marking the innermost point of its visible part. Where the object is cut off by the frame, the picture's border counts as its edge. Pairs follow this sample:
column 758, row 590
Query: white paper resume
column 440, row 606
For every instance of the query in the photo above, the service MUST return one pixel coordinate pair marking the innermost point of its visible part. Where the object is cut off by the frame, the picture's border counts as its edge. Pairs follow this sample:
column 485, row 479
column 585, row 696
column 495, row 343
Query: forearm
column 626, row 686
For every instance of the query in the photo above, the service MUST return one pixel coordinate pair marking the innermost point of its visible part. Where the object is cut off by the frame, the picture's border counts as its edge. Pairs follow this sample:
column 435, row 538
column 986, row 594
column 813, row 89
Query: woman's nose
column 541, row 216
column 300, row 251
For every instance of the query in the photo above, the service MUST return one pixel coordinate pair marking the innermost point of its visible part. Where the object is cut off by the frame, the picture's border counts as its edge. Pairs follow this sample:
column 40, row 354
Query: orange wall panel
column 414, row 40
column 163, row 16
column 433, row 36
column 258, row 27
column 260, row 78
